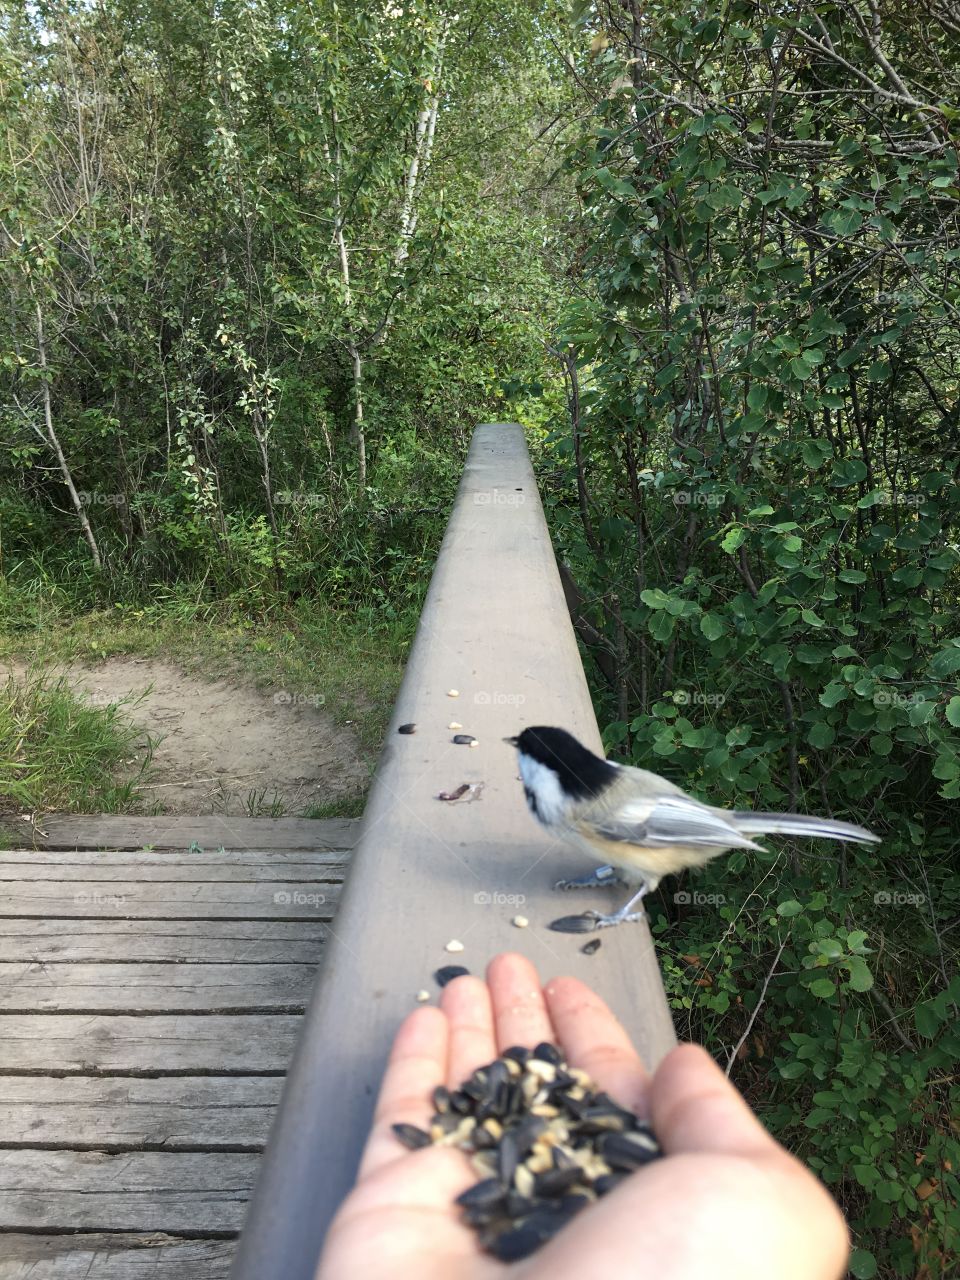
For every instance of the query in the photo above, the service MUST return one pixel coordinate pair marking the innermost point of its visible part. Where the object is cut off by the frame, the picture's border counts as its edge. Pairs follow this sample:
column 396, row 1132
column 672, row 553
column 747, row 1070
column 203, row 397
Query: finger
column 696, row 1108
column 519, row 1010
column 593, row 1039
column 466, row 1003
column 417, row 1064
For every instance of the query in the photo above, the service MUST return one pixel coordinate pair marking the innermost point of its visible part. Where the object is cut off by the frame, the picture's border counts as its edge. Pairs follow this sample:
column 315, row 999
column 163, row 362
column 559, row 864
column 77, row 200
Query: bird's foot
column 618, row 917
column 602, row 876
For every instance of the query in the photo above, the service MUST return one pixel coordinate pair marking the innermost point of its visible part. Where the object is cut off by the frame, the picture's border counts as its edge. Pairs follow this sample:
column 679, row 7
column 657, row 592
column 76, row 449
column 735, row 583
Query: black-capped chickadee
column 638, row 822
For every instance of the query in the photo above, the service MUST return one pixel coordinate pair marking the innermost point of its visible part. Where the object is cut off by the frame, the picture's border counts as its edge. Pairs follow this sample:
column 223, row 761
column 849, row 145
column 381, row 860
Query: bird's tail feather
column 799, row 824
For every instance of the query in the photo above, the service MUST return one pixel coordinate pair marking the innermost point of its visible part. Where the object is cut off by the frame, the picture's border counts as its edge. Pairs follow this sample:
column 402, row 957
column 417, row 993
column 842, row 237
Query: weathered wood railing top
column 496, row 629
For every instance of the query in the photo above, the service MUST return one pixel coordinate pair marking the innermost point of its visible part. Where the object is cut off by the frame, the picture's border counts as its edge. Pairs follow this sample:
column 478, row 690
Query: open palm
column 728, row 1202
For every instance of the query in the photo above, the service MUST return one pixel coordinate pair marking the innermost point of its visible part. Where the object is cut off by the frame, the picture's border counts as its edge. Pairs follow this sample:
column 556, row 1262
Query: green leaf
column 862, row 1264
column 861, row 979
column 821, row 735
column 711, row 626
column 823, row 988
column 789, row 908
column 953, row 712
column 834, row 693
column 733, row 539
column 926, row 1020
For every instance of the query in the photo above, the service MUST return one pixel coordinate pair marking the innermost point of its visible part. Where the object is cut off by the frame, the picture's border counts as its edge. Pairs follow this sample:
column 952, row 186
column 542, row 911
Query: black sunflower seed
column 448, row 973
column 460, row 1103
column 591, row 948
column 407, row 728
column 574, row 924
column 411, row 1136
column 487, row 1194
column 547, row 1052
column 556, row 1182
column 514, row 1243
column 441, row 1099
column 627, row 1150
column 508, row 1157
column 517, row 1052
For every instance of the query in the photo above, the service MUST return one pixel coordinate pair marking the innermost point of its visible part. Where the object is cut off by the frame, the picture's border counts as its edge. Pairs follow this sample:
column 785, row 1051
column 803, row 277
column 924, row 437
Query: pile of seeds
column 545, row 1142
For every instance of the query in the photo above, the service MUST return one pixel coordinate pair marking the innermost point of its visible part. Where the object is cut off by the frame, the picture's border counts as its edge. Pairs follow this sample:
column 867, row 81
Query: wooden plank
column 153, row 988
column 494, row 627
column 258, row 900
column 113, row 1257
column 88, row 1043
column 124, row 831
column 111, row 1112
column 38, row 864
column 238, row 942
column 129, row 1191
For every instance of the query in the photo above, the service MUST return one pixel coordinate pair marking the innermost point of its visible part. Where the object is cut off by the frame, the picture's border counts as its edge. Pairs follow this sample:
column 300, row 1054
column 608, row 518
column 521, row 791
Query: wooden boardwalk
column 149, row 1004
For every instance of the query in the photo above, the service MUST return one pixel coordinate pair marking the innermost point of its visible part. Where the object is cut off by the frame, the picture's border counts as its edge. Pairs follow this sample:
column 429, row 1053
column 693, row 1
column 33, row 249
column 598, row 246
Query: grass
column 58, row 752
column 348, row 663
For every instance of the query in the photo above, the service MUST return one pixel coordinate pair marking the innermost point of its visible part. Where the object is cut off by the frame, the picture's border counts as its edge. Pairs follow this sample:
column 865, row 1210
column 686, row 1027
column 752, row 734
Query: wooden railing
column 495, row 628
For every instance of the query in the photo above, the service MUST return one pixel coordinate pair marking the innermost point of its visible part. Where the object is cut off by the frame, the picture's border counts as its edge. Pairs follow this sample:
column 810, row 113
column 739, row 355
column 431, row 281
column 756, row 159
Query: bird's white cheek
column 552, row 804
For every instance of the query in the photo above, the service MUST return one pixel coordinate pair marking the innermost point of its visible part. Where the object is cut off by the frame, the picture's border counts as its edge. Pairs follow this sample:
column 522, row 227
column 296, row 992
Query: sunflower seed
column 464, row 740
column 412, row 1137
column 448, row 973
column 407, row 728
column 628, row 1150
column 487, row 1194
column 591, row 948
column 454, row 945
column 574, row 924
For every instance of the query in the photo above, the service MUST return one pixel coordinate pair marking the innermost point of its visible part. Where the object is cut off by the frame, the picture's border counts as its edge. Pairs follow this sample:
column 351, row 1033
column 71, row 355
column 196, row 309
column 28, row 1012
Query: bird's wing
column 671, row 820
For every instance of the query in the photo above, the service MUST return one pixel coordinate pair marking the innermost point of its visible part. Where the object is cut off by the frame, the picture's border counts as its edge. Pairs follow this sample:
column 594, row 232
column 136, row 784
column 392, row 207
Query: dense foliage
column 259, row 256
column 758, row 497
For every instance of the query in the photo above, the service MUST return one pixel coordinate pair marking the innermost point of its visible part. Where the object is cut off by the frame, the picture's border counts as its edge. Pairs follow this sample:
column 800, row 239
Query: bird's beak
column 512, row 742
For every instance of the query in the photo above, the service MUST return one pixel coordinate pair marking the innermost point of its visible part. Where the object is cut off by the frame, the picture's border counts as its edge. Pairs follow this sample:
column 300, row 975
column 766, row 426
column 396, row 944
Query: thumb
column 694, row 1107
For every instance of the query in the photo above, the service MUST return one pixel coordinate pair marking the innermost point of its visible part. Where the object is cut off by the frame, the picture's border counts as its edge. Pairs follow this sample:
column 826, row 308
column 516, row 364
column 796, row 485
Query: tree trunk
column 54, row 443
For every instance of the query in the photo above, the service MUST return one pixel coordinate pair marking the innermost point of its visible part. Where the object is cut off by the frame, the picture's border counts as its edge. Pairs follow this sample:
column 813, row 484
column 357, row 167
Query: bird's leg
column 624, row 915
column 602, row 875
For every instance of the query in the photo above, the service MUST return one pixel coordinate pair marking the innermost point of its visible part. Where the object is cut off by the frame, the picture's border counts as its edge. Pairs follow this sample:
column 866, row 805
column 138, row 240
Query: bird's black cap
column 581, row 773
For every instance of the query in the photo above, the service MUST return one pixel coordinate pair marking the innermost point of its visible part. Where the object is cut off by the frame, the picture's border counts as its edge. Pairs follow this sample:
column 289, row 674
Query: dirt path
column 226, row 747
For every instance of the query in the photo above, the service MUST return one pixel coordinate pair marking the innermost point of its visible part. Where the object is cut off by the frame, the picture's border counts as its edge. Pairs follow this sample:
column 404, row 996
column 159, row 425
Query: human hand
column 727, row 1201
